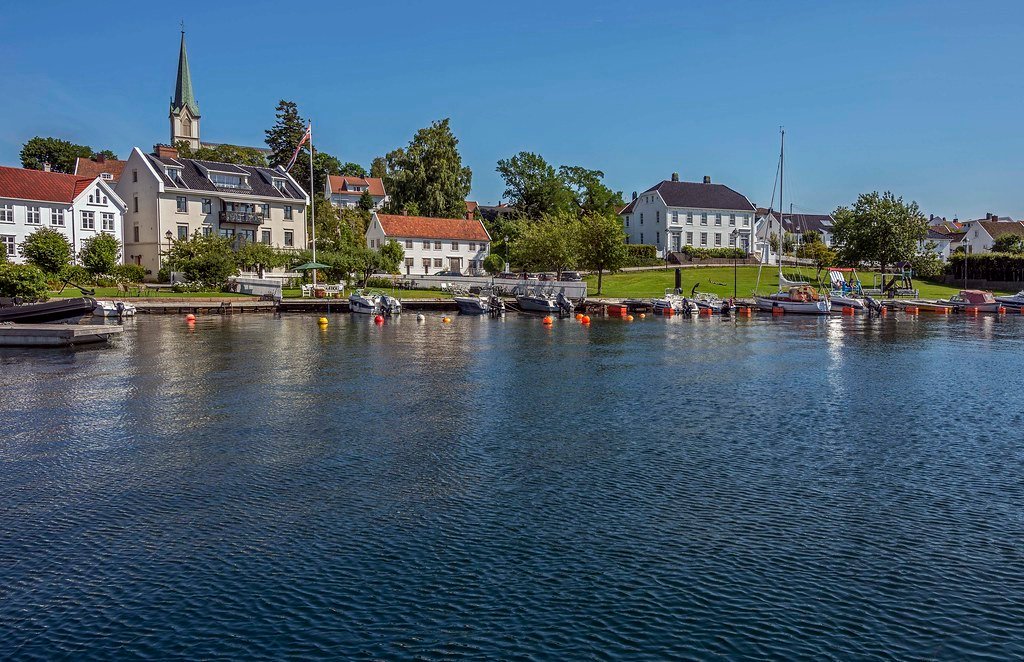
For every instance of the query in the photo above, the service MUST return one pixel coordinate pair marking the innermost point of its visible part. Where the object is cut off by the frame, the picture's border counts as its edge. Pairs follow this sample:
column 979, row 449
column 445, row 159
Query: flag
column 306, row 137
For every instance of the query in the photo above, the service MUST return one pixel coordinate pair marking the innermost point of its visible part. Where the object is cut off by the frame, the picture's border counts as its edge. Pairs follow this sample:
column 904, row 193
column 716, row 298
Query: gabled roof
column 22, row 184
column 697, row 196
column 998, row 228
column 800, row 223
column 343, row 183
column 260, row 179
column 471, row 207
column 93, row 168
column 421, row 227
column 942, row 236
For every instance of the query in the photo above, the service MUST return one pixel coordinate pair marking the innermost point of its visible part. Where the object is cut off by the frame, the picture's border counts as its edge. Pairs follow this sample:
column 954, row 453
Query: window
column 135, row 234
column 98, row 198
column 437, row 262
column 88, row 220
column 172, row 173
column 703, row 219
column 182, row 232
column 408, row 243
column 32, row 215
column 279, row 184
column 182, row 202
column 57, row 217
column 641, row 237
column 227, row 232
column 437, row 246
column 426, row 265
column 657, row 218
column 6, row 213
column 265, row 236
column 732, row 240
column 207, row 206
column 108, row 221
column 266, row 211
column 247, row 235
column 472, row 246
column 227, row 181
column 641, row 221
column 410, row 262
column 135, row 201
column 732, row 219
column 689, row 239
column 426, row 245
column 627, row 220
column 657, row 238
column 689, row 218
column 455, row 245
column 718, row 239
column 287, row 212
column 289, row 238
column 746, row 220
column 7, row 243
column 135, row 175
column 106, row 175
column 703, row 238
column 718, row 219
column 207, row 230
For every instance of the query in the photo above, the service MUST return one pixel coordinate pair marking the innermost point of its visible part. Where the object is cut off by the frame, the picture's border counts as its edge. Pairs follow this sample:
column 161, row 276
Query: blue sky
column 923, row 98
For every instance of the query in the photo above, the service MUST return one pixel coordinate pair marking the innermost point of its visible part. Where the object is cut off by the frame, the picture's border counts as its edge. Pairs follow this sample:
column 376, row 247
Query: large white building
column 169, row 198
column 77, row 207
column 432, row 244
column 673, row 214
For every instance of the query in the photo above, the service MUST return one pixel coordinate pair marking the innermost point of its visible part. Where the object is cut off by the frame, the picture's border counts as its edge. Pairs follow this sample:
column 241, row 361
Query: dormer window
column 223, row 180
column 279, row 184
column 106, row 175
column 174, row 174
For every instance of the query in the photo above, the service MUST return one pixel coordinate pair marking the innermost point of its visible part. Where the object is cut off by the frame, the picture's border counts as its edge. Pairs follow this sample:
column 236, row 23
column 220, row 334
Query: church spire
column 183, row 95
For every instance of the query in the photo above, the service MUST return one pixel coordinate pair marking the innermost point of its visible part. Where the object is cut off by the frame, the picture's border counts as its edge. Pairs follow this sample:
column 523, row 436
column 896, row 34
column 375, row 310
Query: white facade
column 653, row 222
column 96, row 209
column 155, row 209
column 429, row 255
column 346, row 192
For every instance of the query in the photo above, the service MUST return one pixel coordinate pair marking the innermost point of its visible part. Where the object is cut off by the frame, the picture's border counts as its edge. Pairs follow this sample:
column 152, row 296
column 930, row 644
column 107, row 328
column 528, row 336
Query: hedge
column 705, row 253
column 987, row 266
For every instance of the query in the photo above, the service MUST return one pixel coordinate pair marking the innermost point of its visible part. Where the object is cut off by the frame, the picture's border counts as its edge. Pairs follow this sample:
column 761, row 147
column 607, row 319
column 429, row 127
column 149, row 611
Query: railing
column 248, row 217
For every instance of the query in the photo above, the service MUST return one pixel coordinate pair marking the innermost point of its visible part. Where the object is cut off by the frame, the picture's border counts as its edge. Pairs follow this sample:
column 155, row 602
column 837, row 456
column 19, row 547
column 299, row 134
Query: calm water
column 256, row 488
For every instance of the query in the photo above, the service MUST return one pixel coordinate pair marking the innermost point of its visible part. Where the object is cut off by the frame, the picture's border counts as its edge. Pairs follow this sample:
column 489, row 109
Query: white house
column 346, row 192
column 674, row 214
column 982, row 234
column 767, row 225
column 77, row 207
column 169, row 197
column 433, row 244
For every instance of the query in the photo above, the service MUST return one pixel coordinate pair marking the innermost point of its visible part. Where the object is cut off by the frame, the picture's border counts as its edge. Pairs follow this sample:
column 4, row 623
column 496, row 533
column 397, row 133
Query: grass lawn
column 719, row 280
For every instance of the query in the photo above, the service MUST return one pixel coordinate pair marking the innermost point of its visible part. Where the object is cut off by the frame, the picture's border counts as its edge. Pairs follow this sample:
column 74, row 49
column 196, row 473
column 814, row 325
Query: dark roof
column 260, row 179
column 800, row 223
column 998, row 228
column 697, row 196
column 491, row 212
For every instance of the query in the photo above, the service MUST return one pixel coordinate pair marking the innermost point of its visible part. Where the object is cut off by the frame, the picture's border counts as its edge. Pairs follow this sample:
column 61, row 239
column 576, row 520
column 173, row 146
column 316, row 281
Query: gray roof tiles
column 260, row 179
column 697, row 196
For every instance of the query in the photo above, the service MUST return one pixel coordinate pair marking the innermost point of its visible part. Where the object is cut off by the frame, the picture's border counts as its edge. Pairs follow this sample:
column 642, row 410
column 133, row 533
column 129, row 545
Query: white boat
column 979, row 300
column 535, row 300
column 372, row 303
column 677, row 303
column 1013, row 301
column 471, row 304
column 793, row 296
column 845, row 293
column 113, row 309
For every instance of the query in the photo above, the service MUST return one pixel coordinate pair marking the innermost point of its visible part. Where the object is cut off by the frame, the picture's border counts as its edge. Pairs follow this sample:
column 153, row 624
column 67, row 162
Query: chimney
column 675, row 176
column 707, row 179
column 634, row 195
column 989, row 216
column 47, row 167
column 101, row 158
column 165, row 151
column 931, row 217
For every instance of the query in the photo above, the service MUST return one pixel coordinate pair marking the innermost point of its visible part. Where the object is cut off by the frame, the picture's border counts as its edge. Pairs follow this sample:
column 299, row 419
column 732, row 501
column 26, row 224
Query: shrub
column 698, row 253
column 927, row 263
column 188, row 287
column 494, row 264
column 75, row 274
column 641, row 252
column 100, row 253
column 23, row 280
column 379, row 283
column 47, row 249
column 128, row 273
column 207, row 260
column 987, row 266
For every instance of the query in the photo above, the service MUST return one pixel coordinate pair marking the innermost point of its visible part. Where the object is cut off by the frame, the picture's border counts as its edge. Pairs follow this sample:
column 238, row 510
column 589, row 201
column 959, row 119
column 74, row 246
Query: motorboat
column 373, row 303
column 712, row 302
column 845, row 291
column 114, row 309
column 535, row 300
column 980, row 300
column 925, row 306
column 802, row 300
column 1013, row 301
column 478, row 304
column 62, row 311
column 674, row 302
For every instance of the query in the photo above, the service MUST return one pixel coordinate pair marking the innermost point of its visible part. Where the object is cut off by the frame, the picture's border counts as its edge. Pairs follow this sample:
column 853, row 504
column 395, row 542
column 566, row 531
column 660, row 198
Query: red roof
column 421, row 227
column 39, row 185
column 343, row 184
column 93, row 169
column 471, row 206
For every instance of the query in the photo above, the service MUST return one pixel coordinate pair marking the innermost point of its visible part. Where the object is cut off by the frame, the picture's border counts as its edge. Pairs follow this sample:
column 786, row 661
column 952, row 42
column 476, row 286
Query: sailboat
column 793, row 296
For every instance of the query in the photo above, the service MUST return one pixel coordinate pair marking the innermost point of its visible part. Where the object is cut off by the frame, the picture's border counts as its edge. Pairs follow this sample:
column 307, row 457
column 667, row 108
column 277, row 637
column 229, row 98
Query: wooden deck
column 56, row 335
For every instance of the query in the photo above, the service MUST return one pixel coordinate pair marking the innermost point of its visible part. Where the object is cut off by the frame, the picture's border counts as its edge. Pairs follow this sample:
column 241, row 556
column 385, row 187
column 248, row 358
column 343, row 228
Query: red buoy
column 379, row 319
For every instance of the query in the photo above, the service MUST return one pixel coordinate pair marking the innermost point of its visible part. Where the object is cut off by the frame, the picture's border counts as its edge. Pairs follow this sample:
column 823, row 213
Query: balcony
column 243, row 217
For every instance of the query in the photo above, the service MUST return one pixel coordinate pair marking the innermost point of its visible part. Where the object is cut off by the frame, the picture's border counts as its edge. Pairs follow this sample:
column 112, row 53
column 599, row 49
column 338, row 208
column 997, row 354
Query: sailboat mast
column 782, row 171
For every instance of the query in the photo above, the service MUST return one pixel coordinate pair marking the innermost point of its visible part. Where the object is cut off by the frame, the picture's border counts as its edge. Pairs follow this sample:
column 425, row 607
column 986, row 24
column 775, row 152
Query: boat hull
column 839, row 301
column 65, row 311
column 822, row 307
column 1011, row 302
column 472, row 306
column 532, row 304
column 364, row 306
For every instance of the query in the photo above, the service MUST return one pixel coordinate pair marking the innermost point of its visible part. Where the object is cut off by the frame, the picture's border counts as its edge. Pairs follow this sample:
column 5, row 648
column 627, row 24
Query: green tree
column 494, row 264
column 1008, row 243
column 533, row 186
column 249, row 156
column 366, row 201
column 47, row 249
column 282, row 138
column 822, row 256
column 551, row 245
column 602, row 244
column 391, row 256
column 60, row 154
column 258, row 257
column 927, row 263
column 100, row 253
column 427, row 177
column 589, row 192
column 107, row 154
column 206, row 260
column 23, row 280
column 351, row 170
column 379, row 168
column 878, row 228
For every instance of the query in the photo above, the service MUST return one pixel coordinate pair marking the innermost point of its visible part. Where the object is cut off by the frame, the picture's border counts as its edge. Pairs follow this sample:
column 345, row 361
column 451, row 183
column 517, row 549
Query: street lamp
column 967, row 251
column 507, row 265
column 735, row 236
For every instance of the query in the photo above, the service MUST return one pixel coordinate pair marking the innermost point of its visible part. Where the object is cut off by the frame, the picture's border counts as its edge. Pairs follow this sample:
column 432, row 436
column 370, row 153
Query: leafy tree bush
column 60, row 154
column 879, row 228
column 602, row 244
column 22, row 280
column 47, row 249
column 1009, row 243
column 927, row 263
column 987, row 266
column 256, row 256
column 641, row 252
column 699, row 253
column 100, row 253
column 206, row 260
column 427, row 176
column 74, row 273
column 822, row 256
column 494, row 264
column 128, row 273
column 379, row 283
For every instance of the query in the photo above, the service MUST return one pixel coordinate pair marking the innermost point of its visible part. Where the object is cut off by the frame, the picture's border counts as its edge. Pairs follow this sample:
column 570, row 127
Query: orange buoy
column 1002, row 310
column 848, row 310
column 547, row 319
column 911, row 310
column 643, row 315
column 706, row 311
column 586, row 319
column 629, row 318
column 446, row 320
column 779, row 310
column 579, row 316
column 972, row 310
column 190, row 318
column 668, row 312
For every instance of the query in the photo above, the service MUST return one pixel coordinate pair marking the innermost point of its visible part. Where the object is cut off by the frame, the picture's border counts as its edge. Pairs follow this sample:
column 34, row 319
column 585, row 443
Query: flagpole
column 312, row 198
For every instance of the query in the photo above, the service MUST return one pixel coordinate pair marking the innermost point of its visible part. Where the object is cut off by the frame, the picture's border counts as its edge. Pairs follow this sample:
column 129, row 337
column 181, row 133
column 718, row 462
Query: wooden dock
column 56, row 335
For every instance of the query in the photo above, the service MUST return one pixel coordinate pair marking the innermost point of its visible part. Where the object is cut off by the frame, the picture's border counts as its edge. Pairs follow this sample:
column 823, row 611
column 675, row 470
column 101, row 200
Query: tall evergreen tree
column 284, row 136
column 427, row 177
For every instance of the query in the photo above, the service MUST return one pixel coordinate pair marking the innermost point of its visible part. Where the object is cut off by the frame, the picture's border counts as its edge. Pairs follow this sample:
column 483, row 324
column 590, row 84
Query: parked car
column 449, row 274
column 508, row 275
column 547, row 275
column 571, row 275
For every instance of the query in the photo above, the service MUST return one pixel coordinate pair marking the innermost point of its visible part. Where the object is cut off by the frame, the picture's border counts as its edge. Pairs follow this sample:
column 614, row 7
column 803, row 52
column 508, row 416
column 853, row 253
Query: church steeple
column 184, row 108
